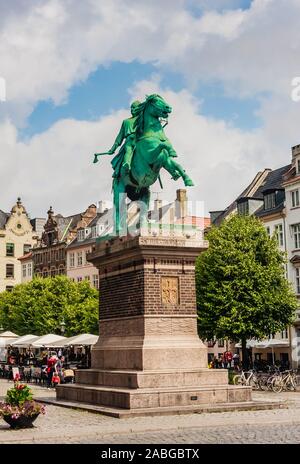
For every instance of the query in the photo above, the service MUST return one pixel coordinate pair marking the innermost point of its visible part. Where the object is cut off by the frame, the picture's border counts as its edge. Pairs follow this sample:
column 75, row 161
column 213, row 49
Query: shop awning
column 48, row 340
column 25, row 341
column 83, row 339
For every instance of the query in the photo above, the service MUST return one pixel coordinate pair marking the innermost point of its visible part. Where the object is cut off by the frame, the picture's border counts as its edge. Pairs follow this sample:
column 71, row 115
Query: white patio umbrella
column 8, row 334
column 82, row 339
column 48, row 340
column 249, row 344
column 25, row 341
column 272, row 343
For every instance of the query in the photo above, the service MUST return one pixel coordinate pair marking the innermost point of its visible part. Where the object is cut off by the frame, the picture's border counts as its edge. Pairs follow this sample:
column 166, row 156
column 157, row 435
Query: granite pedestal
column 149, row 355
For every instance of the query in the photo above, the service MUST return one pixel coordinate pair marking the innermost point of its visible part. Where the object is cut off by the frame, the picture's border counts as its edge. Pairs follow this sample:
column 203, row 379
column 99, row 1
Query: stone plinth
column 149, row 354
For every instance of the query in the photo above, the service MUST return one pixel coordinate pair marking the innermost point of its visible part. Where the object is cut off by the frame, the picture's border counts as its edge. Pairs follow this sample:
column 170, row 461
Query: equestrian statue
column 144, row 151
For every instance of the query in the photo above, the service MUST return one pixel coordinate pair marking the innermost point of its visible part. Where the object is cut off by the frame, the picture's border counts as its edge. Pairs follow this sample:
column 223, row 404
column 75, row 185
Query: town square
column 149, row 225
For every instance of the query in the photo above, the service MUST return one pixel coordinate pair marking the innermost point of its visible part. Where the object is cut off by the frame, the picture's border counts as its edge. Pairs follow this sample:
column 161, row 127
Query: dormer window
column 269, row 201
column 80, row 235
column 243, row 208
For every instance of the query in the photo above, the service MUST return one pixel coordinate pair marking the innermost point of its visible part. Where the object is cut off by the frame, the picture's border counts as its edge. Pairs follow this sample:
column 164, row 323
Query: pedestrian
column 51, row 361
column 55, row 379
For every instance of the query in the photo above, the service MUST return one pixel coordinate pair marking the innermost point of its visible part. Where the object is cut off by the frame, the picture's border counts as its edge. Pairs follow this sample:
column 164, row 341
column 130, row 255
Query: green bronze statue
column 145, row 150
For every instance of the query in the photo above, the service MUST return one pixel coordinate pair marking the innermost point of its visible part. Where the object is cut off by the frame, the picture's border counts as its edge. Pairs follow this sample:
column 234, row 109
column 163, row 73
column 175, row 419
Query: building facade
column 17, row 237
column 274, row 197
column 50, row 256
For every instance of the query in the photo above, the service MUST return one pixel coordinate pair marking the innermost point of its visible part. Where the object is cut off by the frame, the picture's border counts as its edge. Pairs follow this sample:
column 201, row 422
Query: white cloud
column 56, row 167
column 48, row 45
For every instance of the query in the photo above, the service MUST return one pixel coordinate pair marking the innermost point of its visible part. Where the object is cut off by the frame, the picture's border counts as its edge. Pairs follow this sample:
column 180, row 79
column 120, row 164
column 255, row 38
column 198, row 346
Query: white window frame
column 279, row 234
column 79, row 258
column 297, row 279
column 295, row 199
column 296, row 235
column 72, row 259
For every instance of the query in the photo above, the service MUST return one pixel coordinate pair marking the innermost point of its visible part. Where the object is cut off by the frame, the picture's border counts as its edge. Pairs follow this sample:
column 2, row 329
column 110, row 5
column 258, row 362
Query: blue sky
column 226, row 67
column 106, row 90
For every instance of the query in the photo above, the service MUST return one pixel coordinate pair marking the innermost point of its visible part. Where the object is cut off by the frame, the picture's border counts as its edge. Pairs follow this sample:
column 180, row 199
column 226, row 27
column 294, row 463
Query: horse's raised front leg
column 165, row 160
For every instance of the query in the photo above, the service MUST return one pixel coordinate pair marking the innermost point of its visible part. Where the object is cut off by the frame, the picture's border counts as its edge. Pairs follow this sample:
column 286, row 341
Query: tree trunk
column 245, row 361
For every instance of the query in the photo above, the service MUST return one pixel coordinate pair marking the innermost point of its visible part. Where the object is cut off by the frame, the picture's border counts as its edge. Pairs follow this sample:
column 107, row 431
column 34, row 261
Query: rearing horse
column 153, row 151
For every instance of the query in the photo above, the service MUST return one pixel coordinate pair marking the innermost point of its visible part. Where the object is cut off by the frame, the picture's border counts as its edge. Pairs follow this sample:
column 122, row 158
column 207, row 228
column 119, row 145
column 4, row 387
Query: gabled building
column 78, row 268
column 17, row 237
column 49, row 256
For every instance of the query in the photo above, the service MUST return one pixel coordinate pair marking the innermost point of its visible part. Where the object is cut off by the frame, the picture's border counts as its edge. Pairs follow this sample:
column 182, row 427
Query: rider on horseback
column 122, row 161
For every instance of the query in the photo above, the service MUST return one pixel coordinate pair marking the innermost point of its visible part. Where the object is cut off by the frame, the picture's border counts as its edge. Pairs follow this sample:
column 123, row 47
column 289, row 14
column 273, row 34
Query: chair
column 68, row 376
column 27, row 374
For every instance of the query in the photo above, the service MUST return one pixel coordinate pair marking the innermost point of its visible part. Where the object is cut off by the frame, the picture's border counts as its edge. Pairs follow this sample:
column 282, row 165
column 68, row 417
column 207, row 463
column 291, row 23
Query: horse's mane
column 140, row 111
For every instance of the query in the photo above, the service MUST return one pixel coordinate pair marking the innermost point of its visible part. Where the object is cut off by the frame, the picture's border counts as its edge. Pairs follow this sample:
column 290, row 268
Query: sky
column 71, row 70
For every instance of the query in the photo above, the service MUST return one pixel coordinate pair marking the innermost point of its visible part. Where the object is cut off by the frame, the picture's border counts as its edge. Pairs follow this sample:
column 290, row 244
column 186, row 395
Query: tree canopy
column 242, row 292
column 39, row 306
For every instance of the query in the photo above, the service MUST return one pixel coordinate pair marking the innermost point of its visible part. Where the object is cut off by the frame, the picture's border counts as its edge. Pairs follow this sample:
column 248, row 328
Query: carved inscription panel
column 170, row 290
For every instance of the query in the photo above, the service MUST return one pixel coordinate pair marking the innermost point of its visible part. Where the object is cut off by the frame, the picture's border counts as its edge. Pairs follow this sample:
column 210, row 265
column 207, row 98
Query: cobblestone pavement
column 64, row 425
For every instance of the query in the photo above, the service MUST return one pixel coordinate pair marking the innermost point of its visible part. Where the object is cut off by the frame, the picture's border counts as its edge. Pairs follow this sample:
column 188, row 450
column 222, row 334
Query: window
column 10, row 271
column 210, row 343
column 10, row 249
column 268, row 231
column 29, row 270
column 9, row 288
column 243, row 208
column 296, row 233
column 96, row 281
column 94, row 231
column 298, row 166
column 79, row 279
column 61, row 270
column 269, row 201
column 24, row 268
column 26, row 248
column 298, row 280
column 220, row 343
column 279, row 234
column 72, row 260
column 295, row 198
column 87, row 278
column 79, row 258
column 284, row 333
column 80, row 235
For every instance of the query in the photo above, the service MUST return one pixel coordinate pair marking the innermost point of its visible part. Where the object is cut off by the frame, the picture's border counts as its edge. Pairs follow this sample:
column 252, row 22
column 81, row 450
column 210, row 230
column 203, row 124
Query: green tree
column 242, row 292
column 39, row 306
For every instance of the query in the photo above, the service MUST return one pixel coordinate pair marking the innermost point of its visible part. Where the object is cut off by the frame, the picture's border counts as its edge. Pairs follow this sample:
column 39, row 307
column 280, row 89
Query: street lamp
column 62, row 326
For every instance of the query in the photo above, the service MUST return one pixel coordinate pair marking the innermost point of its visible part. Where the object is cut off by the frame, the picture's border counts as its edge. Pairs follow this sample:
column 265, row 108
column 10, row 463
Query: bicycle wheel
column 277, row 384
column 238, row 380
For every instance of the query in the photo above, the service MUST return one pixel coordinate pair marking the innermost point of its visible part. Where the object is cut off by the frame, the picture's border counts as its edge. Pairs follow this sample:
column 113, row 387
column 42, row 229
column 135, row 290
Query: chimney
column 181, row 203
column 102, row 206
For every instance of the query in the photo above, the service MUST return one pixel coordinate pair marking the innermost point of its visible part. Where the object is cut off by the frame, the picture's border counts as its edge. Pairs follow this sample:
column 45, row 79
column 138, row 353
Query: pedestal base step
column 152, row 379
column 175, row 410
column 142, row 398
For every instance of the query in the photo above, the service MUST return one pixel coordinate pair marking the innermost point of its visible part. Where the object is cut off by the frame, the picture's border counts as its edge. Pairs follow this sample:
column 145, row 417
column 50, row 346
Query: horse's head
column 158, row 107
column 154, row 106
